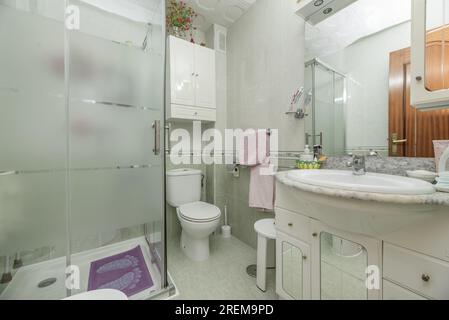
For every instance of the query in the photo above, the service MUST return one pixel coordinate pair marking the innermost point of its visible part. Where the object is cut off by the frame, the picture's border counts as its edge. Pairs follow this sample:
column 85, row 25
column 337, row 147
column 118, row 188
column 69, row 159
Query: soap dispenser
column 307, row 155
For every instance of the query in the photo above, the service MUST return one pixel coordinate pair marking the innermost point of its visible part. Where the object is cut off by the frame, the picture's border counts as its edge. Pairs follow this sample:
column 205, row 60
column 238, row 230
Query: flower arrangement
column 180, row 19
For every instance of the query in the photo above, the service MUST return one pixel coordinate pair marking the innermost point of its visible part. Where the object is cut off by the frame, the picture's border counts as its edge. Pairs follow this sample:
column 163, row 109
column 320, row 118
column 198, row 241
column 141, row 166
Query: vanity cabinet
column 191, row 79
column 315, row 261
column 318, row 260
column 430, row 46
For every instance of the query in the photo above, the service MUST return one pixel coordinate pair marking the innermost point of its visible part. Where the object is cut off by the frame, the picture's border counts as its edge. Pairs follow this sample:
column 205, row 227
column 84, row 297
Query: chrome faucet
column 358, row 165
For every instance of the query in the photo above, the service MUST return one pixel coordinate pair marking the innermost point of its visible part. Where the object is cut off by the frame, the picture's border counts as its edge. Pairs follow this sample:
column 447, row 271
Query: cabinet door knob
column 193, row 73
column 197, row 75
column 425, row 277
column 418, row 78
column 290, row 224
column 314, row 234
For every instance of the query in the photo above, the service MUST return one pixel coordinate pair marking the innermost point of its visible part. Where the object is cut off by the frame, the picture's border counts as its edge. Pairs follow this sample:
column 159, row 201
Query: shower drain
column 252, row 270
column 46, row 283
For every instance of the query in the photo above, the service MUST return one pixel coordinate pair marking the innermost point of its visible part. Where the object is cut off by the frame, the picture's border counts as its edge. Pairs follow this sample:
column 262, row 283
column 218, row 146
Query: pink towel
column 261, row 189
column 254, row 151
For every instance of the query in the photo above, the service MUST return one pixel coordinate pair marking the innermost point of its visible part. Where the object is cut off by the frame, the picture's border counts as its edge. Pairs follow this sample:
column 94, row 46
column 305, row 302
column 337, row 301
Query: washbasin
column 370, row 182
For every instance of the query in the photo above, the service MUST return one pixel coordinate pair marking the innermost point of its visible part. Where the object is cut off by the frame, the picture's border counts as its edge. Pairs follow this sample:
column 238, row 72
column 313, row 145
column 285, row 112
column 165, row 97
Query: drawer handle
column 314, row 234
column 425, row 278
column 290, row 224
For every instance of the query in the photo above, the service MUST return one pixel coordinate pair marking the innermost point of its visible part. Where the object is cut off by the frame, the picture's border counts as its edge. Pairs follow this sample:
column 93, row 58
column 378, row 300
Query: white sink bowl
column 370, row 183
column 384, row 203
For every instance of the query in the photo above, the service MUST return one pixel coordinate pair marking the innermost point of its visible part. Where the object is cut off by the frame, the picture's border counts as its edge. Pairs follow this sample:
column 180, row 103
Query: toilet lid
column 199, row 211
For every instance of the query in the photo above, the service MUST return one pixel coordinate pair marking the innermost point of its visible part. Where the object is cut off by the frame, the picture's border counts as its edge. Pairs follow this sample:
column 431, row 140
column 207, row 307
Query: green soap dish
column 308, row 165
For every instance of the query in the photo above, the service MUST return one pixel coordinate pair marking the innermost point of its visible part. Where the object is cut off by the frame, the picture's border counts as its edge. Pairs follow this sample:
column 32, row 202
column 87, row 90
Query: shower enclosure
column 325, row 106
column 81, row 142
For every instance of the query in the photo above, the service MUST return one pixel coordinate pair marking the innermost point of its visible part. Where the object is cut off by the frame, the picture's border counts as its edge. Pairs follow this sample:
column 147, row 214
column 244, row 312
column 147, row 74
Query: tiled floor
column 222, row 277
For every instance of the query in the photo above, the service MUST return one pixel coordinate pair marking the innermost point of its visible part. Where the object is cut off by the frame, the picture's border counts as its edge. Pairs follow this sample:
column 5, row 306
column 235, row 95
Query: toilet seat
column 199, row 212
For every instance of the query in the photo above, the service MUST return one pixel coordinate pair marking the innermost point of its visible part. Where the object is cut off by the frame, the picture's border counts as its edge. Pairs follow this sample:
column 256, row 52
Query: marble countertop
column 438, row 198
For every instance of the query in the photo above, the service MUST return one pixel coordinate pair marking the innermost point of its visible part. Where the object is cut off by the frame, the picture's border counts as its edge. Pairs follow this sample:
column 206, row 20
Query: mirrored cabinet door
column 430, row 49
column 437, row 45
column 343, row 264
column 293, row 268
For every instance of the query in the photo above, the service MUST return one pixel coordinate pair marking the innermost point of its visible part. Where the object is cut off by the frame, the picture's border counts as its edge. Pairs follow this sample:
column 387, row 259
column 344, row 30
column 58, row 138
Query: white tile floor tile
column 222, row 277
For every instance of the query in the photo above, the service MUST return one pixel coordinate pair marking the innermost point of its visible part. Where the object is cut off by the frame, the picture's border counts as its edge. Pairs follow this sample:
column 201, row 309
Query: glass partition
column 81, row 134
column 33, row 217
column 325, row 124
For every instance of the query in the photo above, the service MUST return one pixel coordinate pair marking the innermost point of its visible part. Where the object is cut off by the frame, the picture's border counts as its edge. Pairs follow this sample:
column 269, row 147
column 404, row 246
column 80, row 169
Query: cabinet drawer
column 425, row 275
column 192, row 113
column 392, row 291
column 293, row 224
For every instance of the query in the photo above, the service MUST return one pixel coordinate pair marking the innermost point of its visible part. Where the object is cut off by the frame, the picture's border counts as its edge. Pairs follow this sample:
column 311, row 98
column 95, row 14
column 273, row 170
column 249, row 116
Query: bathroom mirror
column 357, row 81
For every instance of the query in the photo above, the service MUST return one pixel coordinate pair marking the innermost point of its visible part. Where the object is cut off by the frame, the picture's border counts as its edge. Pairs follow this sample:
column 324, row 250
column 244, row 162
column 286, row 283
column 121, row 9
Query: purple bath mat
column 126, row 272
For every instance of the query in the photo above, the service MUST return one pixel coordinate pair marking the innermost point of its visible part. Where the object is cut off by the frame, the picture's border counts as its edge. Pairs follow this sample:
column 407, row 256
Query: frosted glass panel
column 32, row 131
column 32, row 212
column 107, row 200
column 105, row 71
column 32, row 127
column 110, row 136
column 31, row 52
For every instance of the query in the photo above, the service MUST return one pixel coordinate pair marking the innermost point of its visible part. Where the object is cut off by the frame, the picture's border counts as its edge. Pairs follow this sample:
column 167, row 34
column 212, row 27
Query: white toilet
column 198, row 219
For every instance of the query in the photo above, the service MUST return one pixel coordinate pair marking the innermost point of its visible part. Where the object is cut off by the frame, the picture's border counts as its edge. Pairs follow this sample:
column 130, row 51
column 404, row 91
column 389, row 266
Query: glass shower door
column 81, row 148
column 116, row 121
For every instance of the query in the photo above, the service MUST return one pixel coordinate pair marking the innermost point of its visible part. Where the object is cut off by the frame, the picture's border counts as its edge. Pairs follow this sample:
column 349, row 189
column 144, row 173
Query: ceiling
column 222, row 12
column 359, row 20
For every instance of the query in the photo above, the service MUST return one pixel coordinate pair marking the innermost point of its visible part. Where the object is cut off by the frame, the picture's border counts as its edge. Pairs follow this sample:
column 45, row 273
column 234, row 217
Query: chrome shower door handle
column 157, row 137
column 167, row 139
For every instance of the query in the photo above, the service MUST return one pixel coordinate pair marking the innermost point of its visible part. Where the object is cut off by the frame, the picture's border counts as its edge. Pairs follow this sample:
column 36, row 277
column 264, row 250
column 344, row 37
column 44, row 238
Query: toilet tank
column 183, row 186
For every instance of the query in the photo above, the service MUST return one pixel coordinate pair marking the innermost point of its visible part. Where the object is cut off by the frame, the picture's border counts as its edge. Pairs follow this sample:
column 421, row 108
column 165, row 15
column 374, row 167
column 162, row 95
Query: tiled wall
column 265, row 67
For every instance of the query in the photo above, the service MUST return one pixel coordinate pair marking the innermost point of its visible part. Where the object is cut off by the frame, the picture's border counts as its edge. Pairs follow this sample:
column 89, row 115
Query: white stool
column 265, row 231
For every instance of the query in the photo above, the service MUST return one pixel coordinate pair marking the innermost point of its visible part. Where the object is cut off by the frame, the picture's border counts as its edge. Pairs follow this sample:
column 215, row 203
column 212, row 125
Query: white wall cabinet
column 424, row 77
column 292, row 268
column 191, row 79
